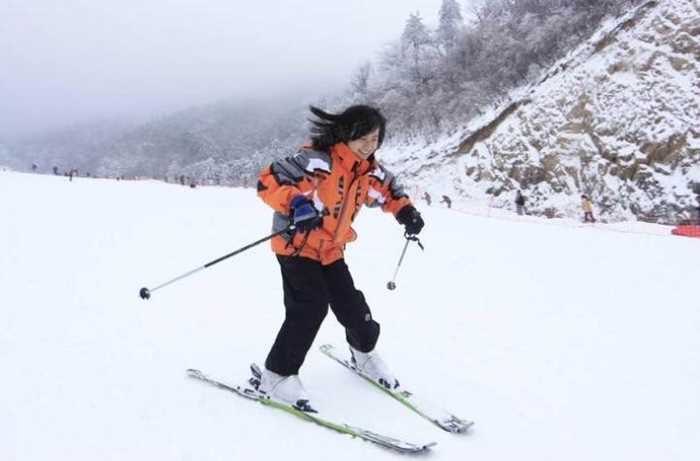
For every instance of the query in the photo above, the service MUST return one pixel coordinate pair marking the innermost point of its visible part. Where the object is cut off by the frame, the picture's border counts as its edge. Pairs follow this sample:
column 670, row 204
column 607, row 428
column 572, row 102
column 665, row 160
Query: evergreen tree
column 416, row 47
column 450, row 24
column 415, row 34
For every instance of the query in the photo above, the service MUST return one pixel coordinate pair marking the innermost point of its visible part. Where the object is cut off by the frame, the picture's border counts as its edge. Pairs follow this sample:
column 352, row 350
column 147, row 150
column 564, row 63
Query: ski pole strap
column 414, row 238
column 297, row 251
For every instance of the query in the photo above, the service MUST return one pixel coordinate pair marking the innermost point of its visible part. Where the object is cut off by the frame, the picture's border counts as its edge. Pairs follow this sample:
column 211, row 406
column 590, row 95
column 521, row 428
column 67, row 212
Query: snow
column 560, row 341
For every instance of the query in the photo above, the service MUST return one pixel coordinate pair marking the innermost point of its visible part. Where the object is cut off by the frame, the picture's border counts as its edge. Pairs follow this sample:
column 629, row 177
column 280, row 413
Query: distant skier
column 587, row 209
column 427, row 198
column 34, row 167
column 520, row 203
column 446, row 200
column 320, row 191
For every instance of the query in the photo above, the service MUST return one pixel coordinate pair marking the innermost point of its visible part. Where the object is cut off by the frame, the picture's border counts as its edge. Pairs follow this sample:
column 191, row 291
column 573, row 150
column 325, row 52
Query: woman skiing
column 319, row 192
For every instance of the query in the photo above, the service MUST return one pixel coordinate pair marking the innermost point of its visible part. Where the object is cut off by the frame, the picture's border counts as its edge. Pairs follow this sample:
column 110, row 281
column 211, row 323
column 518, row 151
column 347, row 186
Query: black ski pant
column 309, row 288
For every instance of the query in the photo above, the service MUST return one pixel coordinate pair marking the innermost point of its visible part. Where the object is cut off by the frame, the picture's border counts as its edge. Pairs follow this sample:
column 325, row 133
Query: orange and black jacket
column 339, row 183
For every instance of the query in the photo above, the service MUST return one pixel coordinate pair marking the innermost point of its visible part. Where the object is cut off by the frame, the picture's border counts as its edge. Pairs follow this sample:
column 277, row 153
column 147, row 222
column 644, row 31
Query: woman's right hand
column 305, row 217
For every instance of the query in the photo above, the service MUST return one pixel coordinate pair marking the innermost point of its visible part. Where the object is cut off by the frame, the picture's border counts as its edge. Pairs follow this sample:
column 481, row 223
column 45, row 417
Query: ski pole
column 409, row 238
column 145, row 293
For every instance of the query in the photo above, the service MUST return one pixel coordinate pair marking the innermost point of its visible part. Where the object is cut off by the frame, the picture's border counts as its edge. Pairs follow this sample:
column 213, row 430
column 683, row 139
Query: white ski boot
column 286, row 389
column 372, row 365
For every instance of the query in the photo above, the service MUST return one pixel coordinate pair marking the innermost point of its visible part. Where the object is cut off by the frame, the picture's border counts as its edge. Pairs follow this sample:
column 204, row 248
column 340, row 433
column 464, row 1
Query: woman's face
column 365, row 146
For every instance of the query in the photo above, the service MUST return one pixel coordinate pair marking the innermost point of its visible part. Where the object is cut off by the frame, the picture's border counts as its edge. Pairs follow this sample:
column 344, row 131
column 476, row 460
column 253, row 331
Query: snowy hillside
column 560, row 342
column 616, row 119
column 224, row 142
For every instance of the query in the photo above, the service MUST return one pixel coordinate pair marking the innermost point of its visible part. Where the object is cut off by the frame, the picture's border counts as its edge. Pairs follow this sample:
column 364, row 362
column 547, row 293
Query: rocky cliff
column 618, row 119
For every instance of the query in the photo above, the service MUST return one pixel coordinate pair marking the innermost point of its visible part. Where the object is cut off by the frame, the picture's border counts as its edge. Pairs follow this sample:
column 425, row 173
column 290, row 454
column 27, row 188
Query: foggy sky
column 68, row 61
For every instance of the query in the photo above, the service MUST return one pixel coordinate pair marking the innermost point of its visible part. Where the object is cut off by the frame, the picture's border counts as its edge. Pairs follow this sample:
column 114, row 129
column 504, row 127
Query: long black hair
column 353, row 123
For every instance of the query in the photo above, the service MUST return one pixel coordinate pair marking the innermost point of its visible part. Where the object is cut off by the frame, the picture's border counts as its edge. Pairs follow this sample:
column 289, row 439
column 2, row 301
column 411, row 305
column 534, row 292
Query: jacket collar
column 349, row 159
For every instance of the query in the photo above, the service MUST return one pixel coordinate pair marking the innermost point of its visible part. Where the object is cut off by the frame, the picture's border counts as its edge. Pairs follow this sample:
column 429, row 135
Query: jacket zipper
column 348, row 196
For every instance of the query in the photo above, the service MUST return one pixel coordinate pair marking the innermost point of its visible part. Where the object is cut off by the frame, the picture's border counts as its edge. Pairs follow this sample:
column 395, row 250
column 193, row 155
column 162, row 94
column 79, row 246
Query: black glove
column 304, row 214
column 411, row 220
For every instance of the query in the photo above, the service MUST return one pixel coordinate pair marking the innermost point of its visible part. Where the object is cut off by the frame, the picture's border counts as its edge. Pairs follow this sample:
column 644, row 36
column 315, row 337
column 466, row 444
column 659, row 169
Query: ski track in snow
column 559, row 341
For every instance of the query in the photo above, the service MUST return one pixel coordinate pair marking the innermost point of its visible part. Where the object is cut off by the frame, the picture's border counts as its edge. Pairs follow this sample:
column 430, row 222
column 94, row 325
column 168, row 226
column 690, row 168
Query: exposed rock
column 487, row 130
column 616, row 120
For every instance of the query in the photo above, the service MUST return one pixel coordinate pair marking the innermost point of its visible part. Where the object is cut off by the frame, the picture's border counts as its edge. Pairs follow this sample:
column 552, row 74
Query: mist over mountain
column 553, row 97
column 227, row 140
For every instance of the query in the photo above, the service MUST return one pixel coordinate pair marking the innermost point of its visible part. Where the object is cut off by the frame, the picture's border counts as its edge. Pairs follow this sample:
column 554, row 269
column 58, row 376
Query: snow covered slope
column 616, row 119
column 562, row 343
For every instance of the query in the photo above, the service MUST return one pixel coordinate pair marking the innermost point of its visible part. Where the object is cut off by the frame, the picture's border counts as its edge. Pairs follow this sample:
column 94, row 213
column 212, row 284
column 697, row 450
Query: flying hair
column 353, row 123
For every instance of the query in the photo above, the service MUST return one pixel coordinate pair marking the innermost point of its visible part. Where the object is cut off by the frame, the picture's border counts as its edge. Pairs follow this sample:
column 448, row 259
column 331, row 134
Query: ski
column 436, row 415
column 252, row 394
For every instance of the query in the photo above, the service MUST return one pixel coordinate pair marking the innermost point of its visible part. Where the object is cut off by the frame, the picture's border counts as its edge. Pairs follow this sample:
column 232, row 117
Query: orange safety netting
column 687, row 230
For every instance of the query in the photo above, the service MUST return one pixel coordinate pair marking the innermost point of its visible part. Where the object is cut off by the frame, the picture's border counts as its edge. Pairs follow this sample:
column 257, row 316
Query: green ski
column 252, row 394
column 441, row 418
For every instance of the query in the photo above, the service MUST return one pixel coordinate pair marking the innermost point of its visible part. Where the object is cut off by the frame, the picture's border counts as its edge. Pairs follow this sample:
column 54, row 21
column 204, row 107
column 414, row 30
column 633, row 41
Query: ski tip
column 466, row 428
column 417, row 449
column 194, row 373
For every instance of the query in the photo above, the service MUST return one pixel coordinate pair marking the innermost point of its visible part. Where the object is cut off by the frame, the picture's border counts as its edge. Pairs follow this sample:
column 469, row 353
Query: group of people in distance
column 586, row 204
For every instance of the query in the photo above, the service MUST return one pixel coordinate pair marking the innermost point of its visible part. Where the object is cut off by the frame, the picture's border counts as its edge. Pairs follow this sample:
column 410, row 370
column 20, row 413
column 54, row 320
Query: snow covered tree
column 451, row 22
column 415, row 35
column 417, row 47
column 359, row 84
